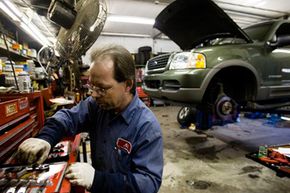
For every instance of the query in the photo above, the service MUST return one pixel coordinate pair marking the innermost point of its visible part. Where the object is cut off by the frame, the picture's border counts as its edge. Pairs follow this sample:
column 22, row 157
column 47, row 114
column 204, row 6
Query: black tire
column 186, row 116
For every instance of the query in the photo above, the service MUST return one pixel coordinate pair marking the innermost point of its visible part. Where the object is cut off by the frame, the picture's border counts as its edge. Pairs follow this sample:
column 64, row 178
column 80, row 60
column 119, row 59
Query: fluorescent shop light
column 12, row 11
column 8, row 12
column 125, row 34
column 30, row 32
column 36, row 31
column 131, row 19
column 13, row 8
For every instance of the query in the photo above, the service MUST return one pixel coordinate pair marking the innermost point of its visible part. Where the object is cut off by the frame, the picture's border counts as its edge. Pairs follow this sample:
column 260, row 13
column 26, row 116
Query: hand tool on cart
column 35, row 168
column 12, row 187
column 12, row 172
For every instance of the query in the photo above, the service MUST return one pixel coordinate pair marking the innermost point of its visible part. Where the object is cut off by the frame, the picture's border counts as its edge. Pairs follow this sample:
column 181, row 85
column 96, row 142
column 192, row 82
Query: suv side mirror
column 280, row 41
column 273, row 42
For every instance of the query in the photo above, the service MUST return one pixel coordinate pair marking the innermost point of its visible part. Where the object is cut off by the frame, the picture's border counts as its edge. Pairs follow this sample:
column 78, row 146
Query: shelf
column 14, row 54
column 39, row 79
column 15, row 32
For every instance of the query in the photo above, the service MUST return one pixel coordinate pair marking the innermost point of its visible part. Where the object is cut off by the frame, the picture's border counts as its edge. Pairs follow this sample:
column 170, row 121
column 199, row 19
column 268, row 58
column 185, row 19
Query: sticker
column 124, row 145
column 23, row 104
column 10, row 109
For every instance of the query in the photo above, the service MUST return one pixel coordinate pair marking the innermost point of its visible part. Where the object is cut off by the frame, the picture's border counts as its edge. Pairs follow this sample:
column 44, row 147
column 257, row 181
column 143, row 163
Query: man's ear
column 129, row 85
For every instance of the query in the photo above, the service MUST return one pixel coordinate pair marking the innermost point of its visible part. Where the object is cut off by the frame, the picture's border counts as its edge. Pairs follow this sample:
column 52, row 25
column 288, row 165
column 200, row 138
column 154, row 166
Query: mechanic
column 125, row 136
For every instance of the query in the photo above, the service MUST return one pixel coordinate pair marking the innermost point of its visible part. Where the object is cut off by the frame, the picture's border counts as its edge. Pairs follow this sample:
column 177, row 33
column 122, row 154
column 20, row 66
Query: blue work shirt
column 126, row 148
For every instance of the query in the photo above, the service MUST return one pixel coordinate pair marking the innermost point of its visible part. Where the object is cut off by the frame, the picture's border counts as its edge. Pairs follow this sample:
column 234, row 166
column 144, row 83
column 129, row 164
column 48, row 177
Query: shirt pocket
column 121, row 160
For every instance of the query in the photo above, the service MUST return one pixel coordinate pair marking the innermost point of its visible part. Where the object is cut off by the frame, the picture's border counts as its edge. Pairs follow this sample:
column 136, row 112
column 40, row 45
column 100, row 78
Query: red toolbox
column 11, row 109
column 12, row 138
column 22, row 116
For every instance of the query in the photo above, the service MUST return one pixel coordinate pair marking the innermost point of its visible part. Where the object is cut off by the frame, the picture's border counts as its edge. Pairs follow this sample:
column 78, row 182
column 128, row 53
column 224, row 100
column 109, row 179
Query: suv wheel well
column 239, row 83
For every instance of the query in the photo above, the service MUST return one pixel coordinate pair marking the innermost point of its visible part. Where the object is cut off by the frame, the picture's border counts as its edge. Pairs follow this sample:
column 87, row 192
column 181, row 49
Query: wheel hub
column 226, row 108
column 184, row 112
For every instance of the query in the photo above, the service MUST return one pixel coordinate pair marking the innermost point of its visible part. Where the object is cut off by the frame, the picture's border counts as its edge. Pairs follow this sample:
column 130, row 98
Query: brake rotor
column 226, row 108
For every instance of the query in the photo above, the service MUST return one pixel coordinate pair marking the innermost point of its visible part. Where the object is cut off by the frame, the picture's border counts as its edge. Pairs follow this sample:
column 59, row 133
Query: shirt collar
column 130, row 111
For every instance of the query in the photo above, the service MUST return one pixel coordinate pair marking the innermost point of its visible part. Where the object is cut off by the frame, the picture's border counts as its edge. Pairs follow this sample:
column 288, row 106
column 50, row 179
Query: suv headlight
column 187, row 60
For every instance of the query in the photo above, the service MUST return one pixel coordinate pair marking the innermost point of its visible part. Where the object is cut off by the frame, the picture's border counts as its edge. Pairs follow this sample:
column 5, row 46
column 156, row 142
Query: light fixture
column 8, row 12
column 125, row 35
column 12, row 11
column 30, row 32
column 38, row 33
column 130, row 19
column 13, row 8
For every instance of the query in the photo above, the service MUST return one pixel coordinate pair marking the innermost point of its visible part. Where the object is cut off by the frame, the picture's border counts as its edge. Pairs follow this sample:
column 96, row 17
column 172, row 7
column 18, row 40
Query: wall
column 132, row 44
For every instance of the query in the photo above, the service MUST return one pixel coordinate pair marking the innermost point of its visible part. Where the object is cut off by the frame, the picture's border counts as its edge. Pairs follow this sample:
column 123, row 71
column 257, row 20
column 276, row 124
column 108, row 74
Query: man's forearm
column 52, row 132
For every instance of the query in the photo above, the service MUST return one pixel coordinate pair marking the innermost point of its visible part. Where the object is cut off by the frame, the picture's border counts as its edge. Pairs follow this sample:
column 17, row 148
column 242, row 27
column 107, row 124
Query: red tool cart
column 22, row 116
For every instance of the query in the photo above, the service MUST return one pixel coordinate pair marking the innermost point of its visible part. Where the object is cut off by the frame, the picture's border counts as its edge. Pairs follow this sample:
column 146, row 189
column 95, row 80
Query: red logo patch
column 124, row 144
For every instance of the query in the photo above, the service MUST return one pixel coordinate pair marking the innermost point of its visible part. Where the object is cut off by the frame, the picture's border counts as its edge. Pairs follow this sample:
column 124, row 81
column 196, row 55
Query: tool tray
column 274, row 159
column 44, row 178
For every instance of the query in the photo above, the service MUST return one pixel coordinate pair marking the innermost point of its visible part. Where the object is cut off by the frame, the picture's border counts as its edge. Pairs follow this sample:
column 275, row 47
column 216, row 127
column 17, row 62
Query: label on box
column 23, row 104
column 10, row 109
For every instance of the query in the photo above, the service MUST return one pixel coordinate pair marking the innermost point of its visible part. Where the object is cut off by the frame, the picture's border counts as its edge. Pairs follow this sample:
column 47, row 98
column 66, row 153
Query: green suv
column 222, row 67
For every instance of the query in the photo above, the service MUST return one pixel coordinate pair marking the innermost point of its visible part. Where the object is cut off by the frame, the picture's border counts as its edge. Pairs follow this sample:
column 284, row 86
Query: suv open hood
column 189, row 22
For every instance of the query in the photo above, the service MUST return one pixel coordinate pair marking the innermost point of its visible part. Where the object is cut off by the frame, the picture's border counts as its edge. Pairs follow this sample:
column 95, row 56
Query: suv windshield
column 222, row 41
column 258, row 32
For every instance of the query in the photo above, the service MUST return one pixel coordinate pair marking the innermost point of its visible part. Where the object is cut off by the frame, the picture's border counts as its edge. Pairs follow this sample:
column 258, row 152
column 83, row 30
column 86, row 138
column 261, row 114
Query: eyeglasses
column 100, row 91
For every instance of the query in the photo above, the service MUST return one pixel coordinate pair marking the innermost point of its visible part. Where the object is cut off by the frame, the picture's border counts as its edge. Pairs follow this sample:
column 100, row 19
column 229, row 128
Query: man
column 125, row 136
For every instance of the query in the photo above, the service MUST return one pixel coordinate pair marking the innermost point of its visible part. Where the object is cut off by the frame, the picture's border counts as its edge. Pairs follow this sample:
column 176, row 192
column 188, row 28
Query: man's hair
column 124, row 67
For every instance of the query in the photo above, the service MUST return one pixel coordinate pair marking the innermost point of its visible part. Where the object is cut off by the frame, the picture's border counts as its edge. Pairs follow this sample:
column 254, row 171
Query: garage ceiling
column 243, row 12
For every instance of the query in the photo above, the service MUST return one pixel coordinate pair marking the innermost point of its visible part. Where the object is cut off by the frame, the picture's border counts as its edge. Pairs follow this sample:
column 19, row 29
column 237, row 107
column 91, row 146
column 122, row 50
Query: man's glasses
column 100, row 91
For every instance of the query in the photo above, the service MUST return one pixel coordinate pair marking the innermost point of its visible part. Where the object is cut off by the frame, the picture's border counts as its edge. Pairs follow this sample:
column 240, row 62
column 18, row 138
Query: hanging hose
column 38, row 59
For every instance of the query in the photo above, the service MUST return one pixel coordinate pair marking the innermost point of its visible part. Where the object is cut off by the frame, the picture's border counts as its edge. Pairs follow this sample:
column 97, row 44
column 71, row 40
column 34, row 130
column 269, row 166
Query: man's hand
column 81, row 174
column 33, row 150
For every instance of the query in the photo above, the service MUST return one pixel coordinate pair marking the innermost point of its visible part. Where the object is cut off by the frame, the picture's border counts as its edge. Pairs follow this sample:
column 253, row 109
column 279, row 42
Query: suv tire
column 186, row 116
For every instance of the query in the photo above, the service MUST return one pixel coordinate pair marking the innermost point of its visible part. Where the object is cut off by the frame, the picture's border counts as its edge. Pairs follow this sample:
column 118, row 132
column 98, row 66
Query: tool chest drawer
column 11, row 109
column 22, row 116
column 13, row 137
column 35, row 108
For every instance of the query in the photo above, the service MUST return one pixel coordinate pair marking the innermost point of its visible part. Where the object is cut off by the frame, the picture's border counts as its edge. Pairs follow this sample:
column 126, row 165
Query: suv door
column 279, row 60
column 283, row 51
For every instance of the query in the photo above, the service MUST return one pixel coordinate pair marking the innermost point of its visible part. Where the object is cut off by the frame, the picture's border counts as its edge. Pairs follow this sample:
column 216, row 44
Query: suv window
column 283, row 35
column 258, row 32
column 284, row 29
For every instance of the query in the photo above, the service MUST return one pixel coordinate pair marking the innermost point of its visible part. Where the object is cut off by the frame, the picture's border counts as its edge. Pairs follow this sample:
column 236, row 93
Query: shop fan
column 81, row 25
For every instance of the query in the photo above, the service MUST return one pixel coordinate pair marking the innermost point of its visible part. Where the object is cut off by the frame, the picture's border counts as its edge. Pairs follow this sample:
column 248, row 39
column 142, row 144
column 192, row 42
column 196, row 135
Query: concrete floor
column 215, row 161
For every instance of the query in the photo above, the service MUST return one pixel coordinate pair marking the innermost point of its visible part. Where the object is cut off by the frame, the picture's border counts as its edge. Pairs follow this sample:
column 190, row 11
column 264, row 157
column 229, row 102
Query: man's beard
column 105, row 106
